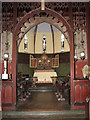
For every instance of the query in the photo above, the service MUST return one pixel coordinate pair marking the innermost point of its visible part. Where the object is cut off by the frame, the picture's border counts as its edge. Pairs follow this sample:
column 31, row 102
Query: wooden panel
column 3, row 94
column 8, row 94
column 2, row 67
column 78, row 68
column 0, row 101
column 77, row 93
column 84, row 92
column 9, row 67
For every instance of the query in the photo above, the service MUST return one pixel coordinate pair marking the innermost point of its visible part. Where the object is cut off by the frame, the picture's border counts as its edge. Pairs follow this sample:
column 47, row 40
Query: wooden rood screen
column 44, row 62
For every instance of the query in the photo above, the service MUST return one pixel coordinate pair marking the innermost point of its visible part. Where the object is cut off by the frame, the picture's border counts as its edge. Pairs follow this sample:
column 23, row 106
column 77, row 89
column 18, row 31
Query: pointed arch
column 28, row 21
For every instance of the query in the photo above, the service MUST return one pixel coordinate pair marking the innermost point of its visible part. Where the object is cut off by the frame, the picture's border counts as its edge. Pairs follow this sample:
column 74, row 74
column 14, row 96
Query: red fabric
column 33, row 62
column 54, row 62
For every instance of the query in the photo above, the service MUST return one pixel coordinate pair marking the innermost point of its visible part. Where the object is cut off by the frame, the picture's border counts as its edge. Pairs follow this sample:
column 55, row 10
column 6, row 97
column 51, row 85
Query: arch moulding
column 27, row 22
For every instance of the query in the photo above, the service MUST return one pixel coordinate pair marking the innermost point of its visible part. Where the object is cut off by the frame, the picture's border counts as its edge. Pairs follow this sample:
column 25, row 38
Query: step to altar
column 42, row 115
column 43, row 89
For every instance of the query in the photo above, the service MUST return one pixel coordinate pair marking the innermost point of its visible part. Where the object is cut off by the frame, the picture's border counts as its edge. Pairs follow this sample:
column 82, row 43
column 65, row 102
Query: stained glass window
column 25, row 43
column 62, row 42
column 44, row 44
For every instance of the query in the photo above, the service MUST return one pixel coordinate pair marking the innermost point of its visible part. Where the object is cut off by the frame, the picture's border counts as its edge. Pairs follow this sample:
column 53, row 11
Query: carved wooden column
column 71, row 53
column 0, row 55
column 14, row 53
column 0, row 36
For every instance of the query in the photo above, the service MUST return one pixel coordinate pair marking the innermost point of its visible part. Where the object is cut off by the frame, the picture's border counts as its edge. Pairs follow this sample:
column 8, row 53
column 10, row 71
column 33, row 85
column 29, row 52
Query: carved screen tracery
column 79, row 15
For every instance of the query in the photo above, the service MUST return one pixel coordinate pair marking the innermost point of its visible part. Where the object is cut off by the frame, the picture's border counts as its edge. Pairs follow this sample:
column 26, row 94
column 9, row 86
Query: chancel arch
column 20, row 23
column 34, row 18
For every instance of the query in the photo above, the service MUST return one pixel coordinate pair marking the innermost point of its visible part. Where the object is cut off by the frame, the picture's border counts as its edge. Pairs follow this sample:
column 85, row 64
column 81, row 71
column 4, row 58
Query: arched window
column 62, row 42
column 44, row 44
column 25, row 43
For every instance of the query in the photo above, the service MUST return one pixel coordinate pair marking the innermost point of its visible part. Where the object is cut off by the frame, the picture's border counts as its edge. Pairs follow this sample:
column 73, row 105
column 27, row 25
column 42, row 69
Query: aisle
column 43, row 101
column 44, row 106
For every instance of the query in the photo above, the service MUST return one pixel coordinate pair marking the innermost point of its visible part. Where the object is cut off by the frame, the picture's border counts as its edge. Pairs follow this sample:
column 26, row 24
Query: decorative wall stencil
column 79, row 34
column 7, row 45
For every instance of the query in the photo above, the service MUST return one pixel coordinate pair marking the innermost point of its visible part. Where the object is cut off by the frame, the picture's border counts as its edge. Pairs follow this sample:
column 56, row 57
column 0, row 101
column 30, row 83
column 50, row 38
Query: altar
column 44, row 76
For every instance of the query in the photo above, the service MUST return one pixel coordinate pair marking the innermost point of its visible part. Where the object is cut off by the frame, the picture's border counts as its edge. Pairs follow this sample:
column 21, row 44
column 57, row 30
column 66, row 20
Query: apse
column 55, row 40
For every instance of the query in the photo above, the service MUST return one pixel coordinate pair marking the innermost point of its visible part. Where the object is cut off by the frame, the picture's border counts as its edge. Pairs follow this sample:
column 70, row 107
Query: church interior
column 44, row 60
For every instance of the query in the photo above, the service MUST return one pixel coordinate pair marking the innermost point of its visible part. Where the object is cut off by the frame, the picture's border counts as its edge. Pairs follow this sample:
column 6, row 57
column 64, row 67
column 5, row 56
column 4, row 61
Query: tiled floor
column 43, row 106
column 43, row 101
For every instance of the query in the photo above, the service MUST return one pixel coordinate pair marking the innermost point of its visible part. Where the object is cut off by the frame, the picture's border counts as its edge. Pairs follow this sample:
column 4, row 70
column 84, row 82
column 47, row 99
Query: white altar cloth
column 44, row 76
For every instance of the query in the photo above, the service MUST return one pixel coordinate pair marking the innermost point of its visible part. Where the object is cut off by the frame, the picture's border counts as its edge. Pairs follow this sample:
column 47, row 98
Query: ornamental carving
column 44, row 62
column 62, row 8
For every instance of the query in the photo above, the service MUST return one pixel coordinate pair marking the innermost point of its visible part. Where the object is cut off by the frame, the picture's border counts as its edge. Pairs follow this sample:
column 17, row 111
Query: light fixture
column 82, row 55
column 75, row 58
column 5, row 75
column 6, row 56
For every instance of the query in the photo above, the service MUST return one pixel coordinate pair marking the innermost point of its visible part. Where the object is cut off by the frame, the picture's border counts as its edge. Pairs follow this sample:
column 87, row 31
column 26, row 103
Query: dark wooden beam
column 0, row 36
column 0, row 56
column 71, row 54
column 52, row 38
column 14, row 55
column 35, row 31
column 87, row 6
column 14, row 15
